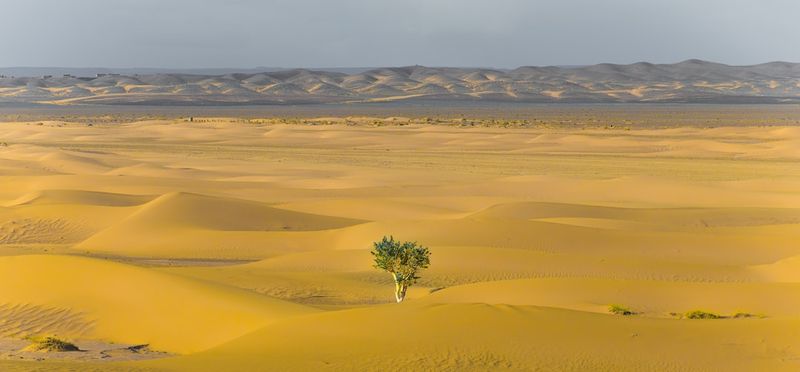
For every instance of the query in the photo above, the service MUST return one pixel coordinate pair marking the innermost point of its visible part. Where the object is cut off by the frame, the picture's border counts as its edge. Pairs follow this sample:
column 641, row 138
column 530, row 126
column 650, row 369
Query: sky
column 367, row 33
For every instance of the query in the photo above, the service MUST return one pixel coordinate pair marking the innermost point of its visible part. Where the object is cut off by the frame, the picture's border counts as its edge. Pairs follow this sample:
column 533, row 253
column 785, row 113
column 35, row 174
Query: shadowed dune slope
column 81, row 197
column 186, row 225
column 187, row 210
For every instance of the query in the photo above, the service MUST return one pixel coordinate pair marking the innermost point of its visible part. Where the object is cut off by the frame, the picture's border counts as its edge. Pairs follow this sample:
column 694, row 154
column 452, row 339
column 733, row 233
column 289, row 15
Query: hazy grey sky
column 347, row 33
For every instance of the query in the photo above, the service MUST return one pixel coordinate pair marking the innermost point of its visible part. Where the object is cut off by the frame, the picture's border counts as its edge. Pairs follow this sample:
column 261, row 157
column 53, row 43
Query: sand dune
column 133, row 305
column 653, row 299
column 786, row 270
column 50, row 197
column 522, row 337
column 214, row 213
column 243, row 244
column 24, row 320
column 661, row 218
column 194, row 224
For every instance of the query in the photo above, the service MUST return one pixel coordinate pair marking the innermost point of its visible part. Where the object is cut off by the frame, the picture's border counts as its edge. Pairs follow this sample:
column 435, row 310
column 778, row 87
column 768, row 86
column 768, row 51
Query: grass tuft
column 619, row 310
column 700, row 314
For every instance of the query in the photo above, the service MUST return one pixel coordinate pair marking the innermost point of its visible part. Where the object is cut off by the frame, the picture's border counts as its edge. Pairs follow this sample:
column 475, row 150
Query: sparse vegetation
column 746, row 315
column 619, row 310
column 137, row 349
column 700, row 314
column 51, row 344
column 402, row 260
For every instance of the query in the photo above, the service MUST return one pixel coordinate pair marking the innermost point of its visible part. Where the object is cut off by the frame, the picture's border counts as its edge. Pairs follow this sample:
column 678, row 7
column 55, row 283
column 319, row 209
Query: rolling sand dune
column 243, row 245
column 195, row 224
column 135, row 305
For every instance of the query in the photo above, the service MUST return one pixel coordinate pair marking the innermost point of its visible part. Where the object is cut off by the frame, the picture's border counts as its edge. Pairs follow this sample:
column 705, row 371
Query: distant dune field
column 692, row 81
column 231, row 244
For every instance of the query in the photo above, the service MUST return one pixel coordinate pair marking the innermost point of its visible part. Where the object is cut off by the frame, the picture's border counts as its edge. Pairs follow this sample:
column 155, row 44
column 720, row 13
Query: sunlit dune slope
column 128, row 304
column 479, row 337
column 649, row 298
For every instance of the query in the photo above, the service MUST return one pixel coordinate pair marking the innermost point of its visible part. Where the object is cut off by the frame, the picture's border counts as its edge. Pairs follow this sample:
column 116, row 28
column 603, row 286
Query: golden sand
column 242, row 246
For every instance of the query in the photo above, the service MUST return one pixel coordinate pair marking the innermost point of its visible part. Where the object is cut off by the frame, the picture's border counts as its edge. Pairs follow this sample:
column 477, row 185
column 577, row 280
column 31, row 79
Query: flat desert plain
column 243, row 245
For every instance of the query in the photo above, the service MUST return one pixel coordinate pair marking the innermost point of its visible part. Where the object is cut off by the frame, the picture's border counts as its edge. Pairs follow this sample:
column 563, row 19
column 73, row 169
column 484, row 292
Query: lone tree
column 402, row 260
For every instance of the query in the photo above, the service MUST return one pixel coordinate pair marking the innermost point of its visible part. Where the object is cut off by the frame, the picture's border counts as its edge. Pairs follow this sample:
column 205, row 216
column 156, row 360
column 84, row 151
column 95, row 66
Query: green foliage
column 51, row 344
column 401, row 259
column 700, row 314
column 619, row 310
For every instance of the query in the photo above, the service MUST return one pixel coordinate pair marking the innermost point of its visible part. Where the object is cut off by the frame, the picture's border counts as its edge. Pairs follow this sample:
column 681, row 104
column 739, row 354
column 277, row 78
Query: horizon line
column 392, row 66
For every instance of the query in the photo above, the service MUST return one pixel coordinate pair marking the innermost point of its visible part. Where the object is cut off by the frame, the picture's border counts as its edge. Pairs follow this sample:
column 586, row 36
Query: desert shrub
column 51, row 344
column 619, row 310
column 746, row 315
column 700, row 314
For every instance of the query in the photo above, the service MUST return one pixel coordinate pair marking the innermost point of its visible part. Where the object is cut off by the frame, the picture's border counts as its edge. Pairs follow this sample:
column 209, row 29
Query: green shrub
column 619, row 310
column 700, row 314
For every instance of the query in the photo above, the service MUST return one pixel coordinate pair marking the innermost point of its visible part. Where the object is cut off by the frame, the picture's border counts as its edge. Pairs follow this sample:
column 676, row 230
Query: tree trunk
column 400, row 292
column 399, row 289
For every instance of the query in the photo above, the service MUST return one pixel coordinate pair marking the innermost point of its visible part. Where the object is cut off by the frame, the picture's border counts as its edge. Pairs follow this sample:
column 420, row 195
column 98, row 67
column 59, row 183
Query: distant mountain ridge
column 688, row 81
